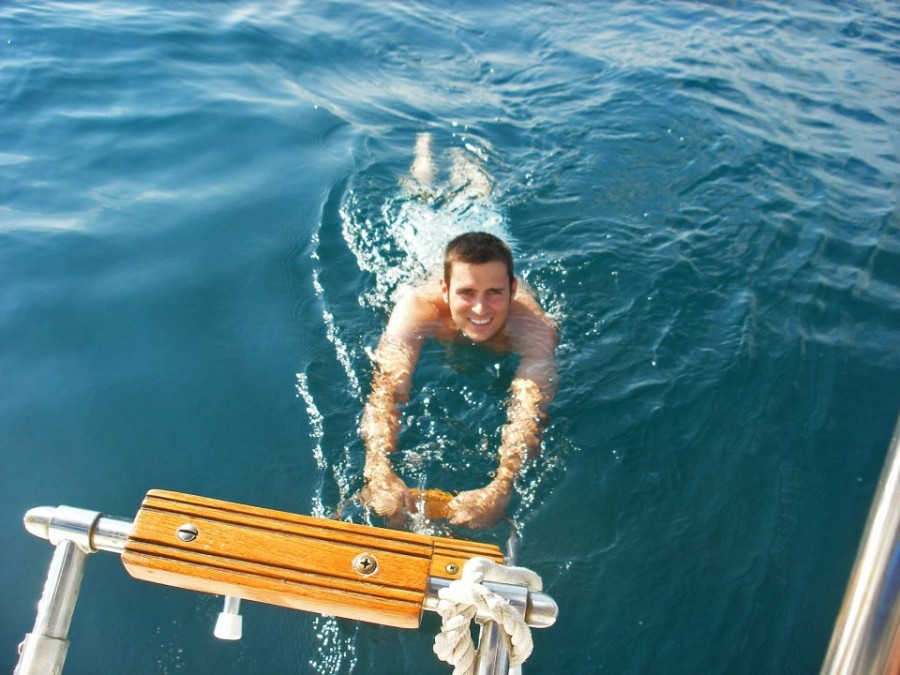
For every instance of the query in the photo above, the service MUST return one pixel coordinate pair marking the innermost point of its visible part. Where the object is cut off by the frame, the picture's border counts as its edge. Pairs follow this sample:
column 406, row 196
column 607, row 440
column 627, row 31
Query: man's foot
column 422, row 169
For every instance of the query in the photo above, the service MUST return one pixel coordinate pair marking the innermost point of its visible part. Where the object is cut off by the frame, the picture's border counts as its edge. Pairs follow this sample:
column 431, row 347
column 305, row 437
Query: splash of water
column 332, row 332
column 317, row 431
column 336, row 647
column 404, row 244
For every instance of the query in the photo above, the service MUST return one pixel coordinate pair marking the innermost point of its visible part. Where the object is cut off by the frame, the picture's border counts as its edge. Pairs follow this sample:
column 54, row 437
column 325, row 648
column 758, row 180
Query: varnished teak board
column 291, row 560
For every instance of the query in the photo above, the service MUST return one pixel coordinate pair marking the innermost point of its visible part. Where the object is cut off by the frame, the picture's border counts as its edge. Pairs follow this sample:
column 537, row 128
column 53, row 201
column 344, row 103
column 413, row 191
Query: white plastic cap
column 229, row 626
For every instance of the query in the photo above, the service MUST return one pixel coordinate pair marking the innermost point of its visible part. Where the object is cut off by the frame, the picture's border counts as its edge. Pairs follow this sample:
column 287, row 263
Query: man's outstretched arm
column 531, row 391
column 385, row 492
column 395, row 360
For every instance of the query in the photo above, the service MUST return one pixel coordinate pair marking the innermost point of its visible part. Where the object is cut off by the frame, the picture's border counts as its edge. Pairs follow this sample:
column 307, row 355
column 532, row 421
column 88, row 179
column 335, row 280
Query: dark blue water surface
column 201, row 222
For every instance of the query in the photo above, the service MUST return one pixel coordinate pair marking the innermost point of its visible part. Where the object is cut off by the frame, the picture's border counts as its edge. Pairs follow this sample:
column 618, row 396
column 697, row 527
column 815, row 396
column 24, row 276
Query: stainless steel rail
column 866, row 638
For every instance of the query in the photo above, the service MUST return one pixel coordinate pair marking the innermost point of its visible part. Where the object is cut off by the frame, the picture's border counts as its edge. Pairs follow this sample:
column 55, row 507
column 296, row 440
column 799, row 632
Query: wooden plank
column 291, row 560
column 287, row 554
column 283, row 593
column 180, row 502
column 450, row 555
column 280, row 522
column 279, row 558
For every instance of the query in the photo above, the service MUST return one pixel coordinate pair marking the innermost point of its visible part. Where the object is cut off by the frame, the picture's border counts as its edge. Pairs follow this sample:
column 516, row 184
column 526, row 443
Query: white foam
column 404, row 243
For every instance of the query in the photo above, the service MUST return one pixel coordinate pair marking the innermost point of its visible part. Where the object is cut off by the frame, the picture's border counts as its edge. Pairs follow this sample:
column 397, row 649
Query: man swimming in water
column 478, row 301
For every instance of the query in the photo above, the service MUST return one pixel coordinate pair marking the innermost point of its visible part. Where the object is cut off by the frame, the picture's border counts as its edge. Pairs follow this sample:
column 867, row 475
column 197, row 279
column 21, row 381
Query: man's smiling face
column 479, row 298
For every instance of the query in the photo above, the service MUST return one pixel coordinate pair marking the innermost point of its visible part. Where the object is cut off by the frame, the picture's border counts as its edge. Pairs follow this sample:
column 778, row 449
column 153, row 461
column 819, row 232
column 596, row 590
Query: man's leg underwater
column 467, row 177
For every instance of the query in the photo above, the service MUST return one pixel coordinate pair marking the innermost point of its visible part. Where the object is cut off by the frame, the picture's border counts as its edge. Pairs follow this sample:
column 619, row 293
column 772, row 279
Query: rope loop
column 462, row 600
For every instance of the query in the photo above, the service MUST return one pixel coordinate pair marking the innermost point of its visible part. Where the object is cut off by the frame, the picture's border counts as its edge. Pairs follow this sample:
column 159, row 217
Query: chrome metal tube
column 493, row 654
column 90, row 530
column 232, row 605
column 230, row 624
column 540, row 609
column 866, row 638
column 111, row 534
column 44, row 649
column 492, row 657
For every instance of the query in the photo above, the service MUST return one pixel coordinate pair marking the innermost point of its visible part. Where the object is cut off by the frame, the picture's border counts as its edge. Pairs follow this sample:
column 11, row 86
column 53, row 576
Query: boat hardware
column 244, row 552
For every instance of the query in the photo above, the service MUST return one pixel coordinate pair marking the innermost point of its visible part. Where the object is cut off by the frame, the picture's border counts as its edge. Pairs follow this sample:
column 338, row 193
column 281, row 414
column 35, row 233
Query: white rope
column 461, row 601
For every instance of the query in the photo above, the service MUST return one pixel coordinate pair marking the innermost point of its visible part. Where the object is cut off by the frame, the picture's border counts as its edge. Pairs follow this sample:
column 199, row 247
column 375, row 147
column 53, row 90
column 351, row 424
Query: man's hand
column 480, row 508
column 388, row 496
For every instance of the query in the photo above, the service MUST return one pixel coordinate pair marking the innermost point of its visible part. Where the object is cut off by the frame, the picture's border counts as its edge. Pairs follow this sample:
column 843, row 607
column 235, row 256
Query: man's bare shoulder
column 531, row 331
column 420, row 311
column 525, row 306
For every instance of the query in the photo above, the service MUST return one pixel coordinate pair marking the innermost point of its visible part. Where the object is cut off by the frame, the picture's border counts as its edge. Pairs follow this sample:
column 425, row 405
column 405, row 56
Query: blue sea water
column 202, row 221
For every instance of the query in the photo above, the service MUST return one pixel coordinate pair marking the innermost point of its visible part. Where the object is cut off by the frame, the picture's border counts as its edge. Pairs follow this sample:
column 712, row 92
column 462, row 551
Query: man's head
column 478, row 284
column 477, row 248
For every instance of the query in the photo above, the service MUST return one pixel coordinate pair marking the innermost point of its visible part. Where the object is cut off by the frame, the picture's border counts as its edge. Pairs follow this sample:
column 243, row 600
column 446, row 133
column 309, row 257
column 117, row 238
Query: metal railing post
column 493, row 656
column 866, row 638
column 44, row 649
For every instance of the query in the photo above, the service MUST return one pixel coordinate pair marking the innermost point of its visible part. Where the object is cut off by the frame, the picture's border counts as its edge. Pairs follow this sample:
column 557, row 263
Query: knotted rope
column 461, row 601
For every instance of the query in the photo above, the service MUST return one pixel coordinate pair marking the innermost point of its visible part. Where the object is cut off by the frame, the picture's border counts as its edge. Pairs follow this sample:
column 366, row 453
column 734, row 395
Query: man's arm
column 395, row 361
column 532, row 389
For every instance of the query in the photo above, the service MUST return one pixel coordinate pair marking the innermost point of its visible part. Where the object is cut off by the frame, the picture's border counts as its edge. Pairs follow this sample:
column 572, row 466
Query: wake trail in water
column 405, row 245
column 399, row 240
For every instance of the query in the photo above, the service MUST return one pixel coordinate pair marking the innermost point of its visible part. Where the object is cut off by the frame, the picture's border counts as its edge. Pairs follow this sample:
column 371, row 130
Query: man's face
column 479, row 297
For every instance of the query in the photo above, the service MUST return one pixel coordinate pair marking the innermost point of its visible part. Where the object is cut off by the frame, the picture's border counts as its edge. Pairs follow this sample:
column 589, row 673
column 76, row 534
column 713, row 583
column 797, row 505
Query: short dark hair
column 477, row 248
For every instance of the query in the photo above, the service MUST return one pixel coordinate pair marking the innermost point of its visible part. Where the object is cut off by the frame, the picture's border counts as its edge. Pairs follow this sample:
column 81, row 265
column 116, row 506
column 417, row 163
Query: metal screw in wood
column 366, row 564
column 188, row 532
